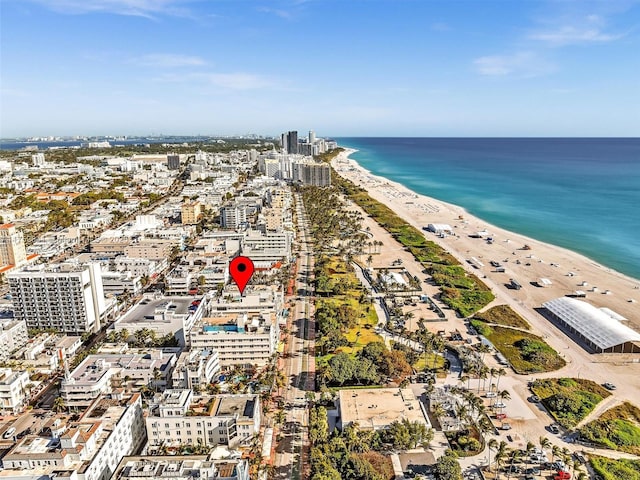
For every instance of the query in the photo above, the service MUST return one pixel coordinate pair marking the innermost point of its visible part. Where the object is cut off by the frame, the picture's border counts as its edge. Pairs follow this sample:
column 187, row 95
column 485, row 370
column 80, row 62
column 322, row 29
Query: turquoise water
column 579, row 193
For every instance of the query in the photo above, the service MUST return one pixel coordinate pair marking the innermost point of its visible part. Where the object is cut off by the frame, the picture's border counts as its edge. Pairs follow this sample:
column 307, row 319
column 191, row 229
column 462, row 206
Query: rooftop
column 377, row 408
column 603, row 328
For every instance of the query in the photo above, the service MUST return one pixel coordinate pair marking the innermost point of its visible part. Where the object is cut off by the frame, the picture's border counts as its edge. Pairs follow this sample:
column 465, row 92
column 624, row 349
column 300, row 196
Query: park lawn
column 569, row 400
column 503, row 315
column 618, row 429
column 363, row 333
column 426, row 362
column 526, row 352
column 610, row 469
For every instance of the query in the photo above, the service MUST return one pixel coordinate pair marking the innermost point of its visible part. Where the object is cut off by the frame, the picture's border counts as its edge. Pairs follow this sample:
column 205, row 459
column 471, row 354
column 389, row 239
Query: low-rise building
column 13, row 336
column 195, row 368
column 88, row 449
column 181, row 467
column 164, row 315
column 178, row 417
column 239, row 338
column 191, row 213
column 13, row 391
column 97, row 374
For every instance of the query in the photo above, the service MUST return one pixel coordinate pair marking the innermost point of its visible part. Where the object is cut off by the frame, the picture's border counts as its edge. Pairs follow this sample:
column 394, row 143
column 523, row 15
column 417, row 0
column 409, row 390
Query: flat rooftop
column 377, row 408
column 230, row 405
column 145, row 310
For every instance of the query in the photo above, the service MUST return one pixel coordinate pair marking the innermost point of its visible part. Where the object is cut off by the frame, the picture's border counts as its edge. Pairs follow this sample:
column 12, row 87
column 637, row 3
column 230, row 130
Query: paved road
column 292, row 451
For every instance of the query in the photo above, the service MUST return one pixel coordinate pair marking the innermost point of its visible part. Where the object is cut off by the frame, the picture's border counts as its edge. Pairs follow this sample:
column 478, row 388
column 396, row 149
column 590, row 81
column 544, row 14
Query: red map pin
column 241, row 269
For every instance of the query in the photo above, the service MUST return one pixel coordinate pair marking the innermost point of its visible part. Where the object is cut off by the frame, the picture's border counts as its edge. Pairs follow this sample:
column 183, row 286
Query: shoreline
column 566, row 269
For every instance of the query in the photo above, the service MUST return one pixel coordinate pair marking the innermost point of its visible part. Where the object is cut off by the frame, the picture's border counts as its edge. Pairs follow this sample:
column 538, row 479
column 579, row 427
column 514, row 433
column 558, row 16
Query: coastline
column 543, row 260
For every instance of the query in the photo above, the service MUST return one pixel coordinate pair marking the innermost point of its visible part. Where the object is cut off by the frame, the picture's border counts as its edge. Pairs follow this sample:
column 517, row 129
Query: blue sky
column 341, row 68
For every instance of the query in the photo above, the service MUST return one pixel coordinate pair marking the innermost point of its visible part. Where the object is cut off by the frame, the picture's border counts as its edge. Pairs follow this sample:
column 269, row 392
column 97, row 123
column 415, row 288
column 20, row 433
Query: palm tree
column 500, row 373
column 555, row 452
column 492, row 373
column 504, row 395
column 500, row 456
column 545, row 443
column 529, row 450
column 59, row 405
column 482, row 374
column 491, row 445
column 515, row 457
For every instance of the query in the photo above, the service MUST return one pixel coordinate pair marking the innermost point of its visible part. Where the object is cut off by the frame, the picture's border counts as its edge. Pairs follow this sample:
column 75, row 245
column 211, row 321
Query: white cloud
column 238, row 81
column 227, row 81
column 169, row 60
column 581, row 30
column 570, row 35
column 523, row 64
column 141, row 8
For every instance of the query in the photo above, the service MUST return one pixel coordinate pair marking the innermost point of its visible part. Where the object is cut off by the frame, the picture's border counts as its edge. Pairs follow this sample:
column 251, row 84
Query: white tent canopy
column 596, row 326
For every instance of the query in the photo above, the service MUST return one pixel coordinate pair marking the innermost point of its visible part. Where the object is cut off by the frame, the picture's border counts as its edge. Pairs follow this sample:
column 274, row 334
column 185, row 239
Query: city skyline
column 380, row 68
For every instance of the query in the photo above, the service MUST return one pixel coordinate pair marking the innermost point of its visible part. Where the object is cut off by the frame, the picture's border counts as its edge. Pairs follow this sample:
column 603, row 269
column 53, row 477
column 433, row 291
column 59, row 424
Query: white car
column 499, row 405
column 491, row 395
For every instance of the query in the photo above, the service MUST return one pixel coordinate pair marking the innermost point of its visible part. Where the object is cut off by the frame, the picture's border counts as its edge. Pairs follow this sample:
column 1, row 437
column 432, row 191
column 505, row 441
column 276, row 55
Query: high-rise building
column 66, row 297
column 317, row 174
column 38, row 160
column 290, row 141
column 173, row 161
column 12, row 251
column 312, row 136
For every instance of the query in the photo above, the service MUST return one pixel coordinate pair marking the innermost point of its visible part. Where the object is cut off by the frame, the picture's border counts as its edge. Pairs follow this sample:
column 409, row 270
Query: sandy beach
column 567, row 271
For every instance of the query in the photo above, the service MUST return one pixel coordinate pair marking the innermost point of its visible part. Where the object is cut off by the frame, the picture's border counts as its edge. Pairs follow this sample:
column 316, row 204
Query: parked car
column 501, row 416
column 532, row 471
column 499, row 405
column 579, row 458
column 562, row 475
column 553, row 428
column 491, row 394
column 534, row 399
column 609, row 386
column 505, row 426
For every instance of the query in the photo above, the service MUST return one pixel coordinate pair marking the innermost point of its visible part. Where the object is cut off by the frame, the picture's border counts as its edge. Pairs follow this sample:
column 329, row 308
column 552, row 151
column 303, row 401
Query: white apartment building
column 172, row 314
column 13, row 336
column 67, row 297
column 139, row 267
column 240, row 339
column 266, row 249
column 90, row 448
column 182, row 467
column 13, row 392
column 178, row 417
column 95, row 374
column 117, row 283
column 195, row 368
column 12, row 250
column 233, row 216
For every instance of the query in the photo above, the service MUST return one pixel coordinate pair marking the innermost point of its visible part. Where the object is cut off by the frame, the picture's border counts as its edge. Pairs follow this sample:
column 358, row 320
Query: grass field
column 503, row 315
column 526, row 352
column 569, row 400
column 618, row 428
column 610, row 469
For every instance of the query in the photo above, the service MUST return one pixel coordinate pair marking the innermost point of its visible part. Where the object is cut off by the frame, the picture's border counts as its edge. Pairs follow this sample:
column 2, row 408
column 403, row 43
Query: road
column 299, row 364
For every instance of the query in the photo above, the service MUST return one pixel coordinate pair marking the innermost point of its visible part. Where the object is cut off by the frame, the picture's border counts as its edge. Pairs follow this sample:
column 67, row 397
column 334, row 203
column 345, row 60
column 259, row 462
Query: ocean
column 582, row 194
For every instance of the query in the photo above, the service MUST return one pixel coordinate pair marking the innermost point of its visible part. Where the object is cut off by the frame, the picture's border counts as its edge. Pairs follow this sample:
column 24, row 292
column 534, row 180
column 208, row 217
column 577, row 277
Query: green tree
column 447, row 467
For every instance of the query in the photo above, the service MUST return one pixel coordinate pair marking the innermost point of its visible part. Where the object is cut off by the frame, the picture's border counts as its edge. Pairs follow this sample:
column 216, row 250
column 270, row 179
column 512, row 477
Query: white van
column 9, row 433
